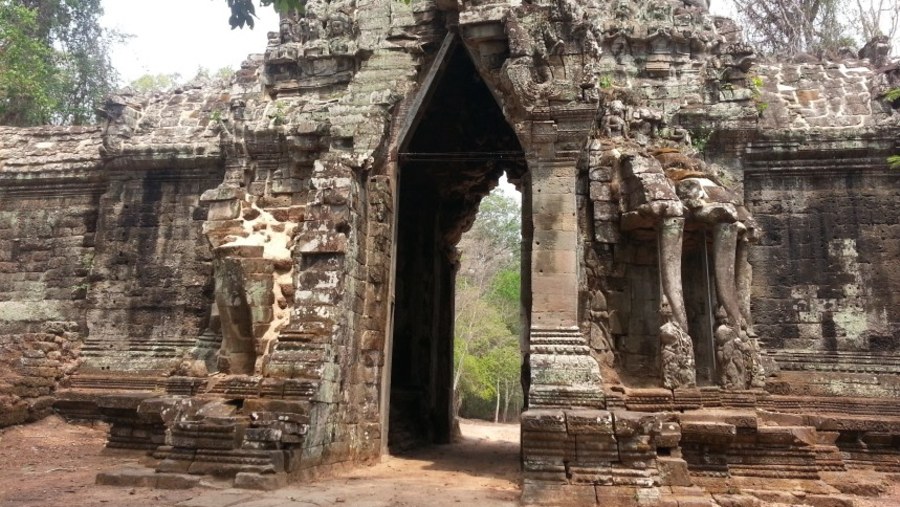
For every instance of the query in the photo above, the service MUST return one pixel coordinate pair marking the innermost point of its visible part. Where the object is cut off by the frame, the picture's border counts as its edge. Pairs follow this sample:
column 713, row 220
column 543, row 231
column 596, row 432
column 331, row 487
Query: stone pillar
column 743, row 273
column 725, row 237
column 563, row 374
column 671, row 239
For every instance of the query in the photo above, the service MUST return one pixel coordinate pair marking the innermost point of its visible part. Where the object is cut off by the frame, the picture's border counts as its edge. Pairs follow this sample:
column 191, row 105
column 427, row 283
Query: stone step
column 147, row 478
column 770, row 497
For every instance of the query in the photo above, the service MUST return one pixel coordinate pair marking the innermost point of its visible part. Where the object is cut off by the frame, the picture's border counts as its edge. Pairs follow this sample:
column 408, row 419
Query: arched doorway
column 455, row 153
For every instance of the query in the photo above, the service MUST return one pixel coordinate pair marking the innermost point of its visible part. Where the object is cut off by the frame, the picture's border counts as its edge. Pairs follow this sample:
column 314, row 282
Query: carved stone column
column 743, row 278
column 563, row 374
column 725, row 238
column 671, row 239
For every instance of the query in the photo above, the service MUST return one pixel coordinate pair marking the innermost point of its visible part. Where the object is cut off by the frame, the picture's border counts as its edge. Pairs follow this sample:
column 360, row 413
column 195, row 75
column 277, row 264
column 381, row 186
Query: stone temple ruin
column 255, row 279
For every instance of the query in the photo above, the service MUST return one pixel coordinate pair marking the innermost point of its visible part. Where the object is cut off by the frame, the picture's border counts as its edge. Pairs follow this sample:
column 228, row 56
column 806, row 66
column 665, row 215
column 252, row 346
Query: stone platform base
column 147, row 478
column 656, row 447
column 815, row 494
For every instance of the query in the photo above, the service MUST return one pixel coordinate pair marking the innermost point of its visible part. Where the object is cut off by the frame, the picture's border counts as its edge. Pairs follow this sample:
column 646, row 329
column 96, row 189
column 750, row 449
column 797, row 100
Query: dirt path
column 53, row 464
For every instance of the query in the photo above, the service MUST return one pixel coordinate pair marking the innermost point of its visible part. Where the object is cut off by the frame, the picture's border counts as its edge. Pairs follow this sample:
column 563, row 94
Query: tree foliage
column 876, row 18
column 162, row 82
column 487, row 356
column 29, row 81
column 790, row 27
column 892, row 95
column 155, row 82
column 54, row 59
column 243, row 12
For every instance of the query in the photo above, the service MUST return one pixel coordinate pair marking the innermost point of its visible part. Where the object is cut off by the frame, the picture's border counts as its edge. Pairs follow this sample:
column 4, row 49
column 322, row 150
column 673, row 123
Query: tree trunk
column 506, row 405
column 497, row 406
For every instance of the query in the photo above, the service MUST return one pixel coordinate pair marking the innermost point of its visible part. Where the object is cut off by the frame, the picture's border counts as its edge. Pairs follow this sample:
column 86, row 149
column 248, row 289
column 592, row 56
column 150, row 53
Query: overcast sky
column 178, row 36
column 181, row 35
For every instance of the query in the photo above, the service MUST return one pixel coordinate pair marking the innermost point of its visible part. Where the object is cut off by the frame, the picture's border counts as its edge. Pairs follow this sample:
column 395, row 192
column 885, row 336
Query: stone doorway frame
column 561, row 373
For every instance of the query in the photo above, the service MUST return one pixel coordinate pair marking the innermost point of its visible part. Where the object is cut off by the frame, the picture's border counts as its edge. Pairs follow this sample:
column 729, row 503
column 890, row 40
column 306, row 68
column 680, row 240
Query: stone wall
column 50, row 187
column 150, row 284
column 825, row 268
column 261, row 271
column 825, row 271
column 33, row 365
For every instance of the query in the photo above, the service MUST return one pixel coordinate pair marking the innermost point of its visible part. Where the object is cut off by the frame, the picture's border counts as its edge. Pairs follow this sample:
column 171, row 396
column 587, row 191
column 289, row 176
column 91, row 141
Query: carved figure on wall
column 303, row 30
column 676, row 351
column 621, row 49
column 756, row 374
column 701, row 4
column 591, row 45
column 286, row 30
column 729, row 354
column 520, row 40
column 624, row 11
column 658, row 12
column 338, row 25
column 529, row 70
column 613, row 122
column 339, row 29
column 314, row 27
column 664, row 191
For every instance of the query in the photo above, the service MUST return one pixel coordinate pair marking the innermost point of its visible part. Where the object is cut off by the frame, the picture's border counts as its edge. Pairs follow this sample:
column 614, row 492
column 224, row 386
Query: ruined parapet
column 35, row 364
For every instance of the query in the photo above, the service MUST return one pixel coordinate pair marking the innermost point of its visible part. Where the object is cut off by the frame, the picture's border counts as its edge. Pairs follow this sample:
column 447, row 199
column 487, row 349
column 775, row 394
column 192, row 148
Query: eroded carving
column 677, row 351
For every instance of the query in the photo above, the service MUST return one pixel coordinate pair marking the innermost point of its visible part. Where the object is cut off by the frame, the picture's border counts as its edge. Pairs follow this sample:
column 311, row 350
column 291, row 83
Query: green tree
column 487, row 356
column 75, row 73
column 162, row 82
column 493, row 242
column 29, row 80
column 893, row 97
column 243, row 12
column 504, row 292
column 155, row 82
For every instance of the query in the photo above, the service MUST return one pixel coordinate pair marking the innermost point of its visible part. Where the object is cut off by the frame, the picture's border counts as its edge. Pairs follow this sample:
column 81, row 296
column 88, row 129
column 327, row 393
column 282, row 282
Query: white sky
column 172, row 36
column 179, row 36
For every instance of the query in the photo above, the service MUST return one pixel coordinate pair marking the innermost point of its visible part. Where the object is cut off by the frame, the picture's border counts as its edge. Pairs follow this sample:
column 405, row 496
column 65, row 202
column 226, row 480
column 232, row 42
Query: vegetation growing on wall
column 893, row 96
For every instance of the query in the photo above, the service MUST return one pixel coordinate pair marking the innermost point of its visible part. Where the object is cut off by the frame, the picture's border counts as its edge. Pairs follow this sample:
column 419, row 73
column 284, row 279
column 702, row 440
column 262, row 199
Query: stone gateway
column 256, row 278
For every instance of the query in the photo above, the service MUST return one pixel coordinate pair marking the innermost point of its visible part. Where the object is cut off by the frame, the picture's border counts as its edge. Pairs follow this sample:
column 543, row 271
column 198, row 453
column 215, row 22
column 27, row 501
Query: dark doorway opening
column 455, row 156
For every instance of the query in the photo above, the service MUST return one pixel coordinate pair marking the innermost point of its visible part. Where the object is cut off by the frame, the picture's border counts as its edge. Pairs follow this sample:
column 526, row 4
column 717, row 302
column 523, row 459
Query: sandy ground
column 54, row 464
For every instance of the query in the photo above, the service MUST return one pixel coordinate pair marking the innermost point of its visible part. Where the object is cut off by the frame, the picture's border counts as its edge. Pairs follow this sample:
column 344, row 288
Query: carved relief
column 677, row 352
column 730, row 352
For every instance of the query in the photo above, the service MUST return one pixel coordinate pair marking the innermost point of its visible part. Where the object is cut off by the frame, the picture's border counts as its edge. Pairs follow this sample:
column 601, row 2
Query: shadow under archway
column 455, row 156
